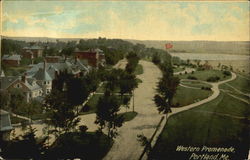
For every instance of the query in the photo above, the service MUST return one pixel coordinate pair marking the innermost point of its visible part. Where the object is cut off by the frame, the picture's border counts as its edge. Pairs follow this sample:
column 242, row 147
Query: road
column 126, row 145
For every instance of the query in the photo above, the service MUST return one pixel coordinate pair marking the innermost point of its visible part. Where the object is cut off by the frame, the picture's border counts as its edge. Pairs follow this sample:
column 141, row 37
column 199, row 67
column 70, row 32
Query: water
column 207, row 56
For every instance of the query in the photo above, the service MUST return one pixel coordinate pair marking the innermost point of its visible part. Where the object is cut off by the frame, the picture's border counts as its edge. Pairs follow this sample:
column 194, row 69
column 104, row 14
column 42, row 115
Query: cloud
column 134, row 20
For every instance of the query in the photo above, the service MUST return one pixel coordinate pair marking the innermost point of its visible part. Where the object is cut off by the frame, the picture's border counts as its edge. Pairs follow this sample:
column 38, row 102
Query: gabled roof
column 43, row 75
column 69, row 65
column 31, row 84
column 5, row 123
column 5, row 82
column 15, row 57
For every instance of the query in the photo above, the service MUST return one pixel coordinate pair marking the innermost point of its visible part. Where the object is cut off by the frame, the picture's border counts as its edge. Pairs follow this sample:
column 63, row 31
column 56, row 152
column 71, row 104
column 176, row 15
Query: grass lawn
column 195, row 84
column 178, row 69
column 15, row 120
column 185, row 96
column 198, row 128
column 203, row 75
column 139, row 70
column 90, row 107
column 88, row 145
column 128, row 116
column 239, row 83
column 101, row 89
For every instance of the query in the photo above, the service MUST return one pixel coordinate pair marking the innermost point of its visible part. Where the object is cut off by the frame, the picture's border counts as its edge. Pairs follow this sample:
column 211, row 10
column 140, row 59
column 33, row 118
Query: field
column 204, row 75
column 185, row 96
column 240, row 83
column 195, row 84
column 219, row 123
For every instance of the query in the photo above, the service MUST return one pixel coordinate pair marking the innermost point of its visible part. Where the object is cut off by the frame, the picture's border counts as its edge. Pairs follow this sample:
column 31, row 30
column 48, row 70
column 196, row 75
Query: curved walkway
column 216, row 92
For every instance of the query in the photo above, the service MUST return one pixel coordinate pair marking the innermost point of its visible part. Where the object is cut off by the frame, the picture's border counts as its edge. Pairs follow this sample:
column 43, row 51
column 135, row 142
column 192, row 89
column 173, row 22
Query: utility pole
column 133, row 101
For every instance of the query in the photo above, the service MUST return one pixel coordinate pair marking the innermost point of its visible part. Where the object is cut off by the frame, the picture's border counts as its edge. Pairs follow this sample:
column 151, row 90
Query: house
column 75, row 67
column 28, row 86
column 32, row 52
column 94, row 57
column 53, row 59
column 11, row 60
column 5, row 125
column 44, row 79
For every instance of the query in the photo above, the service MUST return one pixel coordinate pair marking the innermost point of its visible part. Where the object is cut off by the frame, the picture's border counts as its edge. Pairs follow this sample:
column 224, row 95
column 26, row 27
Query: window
column 18, row 85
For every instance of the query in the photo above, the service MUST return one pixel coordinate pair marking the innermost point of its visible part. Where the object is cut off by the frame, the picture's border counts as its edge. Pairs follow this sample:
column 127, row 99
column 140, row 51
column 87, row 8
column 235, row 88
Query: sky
column 142, row 20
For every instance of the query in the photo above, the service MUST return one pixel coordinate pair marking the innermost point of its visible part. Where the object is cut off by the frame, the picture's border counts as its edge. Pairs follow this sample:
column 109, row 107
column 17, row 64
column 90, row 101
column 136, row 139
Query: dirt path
column 126, row 146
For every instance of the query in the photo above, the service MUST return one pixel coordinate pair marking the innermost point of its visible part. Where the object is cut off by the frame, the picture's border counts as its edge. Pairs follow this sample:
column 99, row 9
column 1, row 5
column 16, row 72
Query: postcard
column 125, row 80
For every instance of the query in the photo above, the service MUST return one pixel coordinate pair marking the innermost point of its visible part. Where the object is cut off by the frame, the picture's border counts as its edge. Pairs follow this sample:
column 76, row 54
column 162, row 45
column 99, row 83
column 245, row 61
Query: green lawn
column 196, row 127
column 195, row 84
column 128, row 116
column 204, row 75
column 101, row 89
column 90, row 107
column 239, row 83
column 185, row 96
column 178, row 69
column 139, row 70
column 15, row 120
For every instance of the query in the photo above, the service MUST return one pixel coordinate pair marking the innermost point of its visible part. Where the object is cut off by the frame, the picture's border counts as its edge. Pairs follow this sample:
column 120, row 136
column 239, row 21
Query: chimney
column 76, row 59
column 56, row 74
column 44, row 65
column 24, row 79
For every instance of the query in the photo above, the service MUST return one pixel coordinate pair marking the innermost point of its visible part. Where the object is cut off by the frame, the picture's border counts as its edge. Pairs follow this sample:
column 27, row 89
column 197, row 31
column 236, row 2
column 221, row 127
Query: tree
column 4, row 99
column 61, row 113
column 107, row 114
column 166, row 90
column 127, row 84
column 156, row 59
column 25, row 147
column 17, row 99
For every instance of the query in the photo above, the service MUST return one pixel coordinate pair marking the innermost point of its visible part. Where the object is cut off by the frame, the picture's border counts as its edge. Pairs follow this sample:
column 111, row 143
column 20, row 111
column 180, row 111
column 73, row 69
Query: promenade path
column 126, row 145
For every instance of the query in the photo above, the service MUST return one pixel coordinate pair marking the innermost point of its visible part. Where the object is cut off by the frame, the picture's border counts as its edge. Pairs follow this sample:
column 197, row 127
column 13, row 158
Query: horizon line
column 123, row 39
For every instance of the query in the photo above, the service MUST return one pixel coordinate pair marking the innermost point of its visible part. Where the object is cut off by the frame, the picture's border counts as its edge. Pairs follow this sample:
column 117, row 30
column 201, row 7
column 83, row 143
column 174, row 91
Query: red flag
column 168, row 45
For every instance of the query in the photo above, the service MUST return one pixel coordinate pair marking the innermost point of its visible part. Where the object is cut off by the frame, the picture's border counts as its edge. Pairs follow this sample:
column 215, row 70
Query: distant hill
column 224, row 47
column 41, row 39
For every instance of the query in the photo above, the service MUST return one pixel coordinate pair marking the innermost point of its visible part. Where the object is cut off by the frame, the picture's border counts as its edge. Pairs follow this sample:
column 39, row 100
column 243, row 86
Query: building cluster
column 36, row 82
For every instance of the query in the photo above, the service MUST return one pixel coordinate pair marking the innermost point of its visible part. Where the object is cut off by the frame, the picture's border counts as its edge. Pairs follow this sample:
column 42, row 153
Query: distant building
column 11, row 60
column 32, row 52
column 53, row 59
column 73, row 66
column 94, row 57
column 5, row 125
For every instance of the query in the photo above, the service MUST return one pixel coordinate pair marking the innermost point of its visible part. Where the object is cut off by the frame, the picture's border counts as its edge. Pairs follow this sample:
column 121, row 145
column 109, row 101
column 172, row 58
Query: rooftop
column 15, row 57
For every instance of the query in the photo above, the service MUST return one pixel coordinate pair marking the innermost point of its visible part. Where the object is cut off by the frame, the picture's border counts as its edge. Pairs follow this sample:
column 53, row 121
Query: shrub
column 227, row 73
column 213, row 79
column 86, row 108
column 192, row 77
